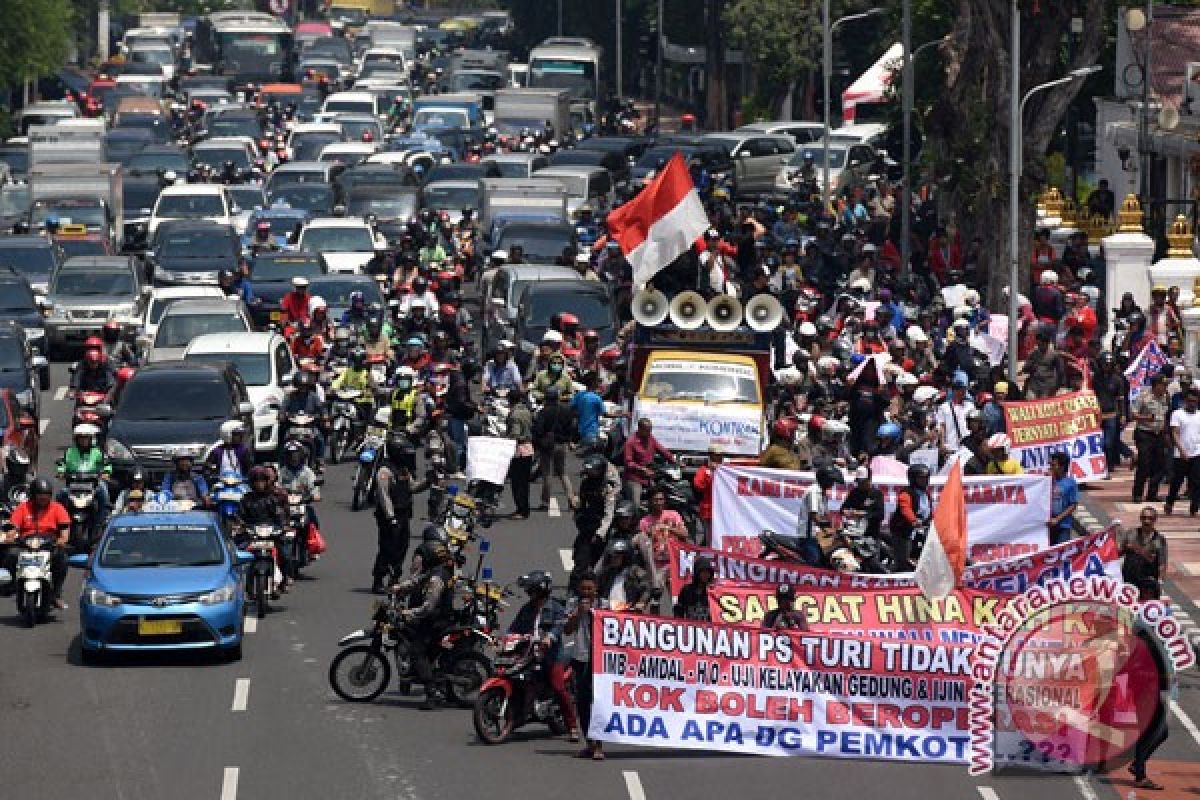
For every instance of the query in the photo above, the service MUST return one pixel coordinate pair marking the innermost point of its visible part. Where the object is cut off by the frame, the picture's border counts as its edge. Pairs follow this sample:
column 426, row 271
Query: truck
column 517, row 109
column 702, row 388
column 73, row 181
column 77, row 141
column 458, row 110
column 386, row 33
column 505, row 200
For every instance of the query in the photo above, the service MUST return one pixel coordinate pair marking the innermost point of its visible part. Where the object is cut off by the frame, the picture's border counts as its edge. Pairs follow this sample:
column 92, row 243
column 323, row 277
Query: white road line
column 241, row 694
column 564, row 555
column 229, row 784
column 553, row 509
column 60, row 393
column 43, row 424
column 987, row 793
column 1186, row 721
column 633, row 784
column 250, row 625
column 1085, row 788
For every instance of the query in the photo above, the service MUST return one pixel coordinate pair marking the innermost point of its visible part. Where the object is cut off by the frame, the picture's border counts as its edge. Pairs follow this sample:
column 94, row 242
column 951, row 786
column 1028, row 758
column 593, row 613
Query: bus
column 249, row 47
column 569, row 63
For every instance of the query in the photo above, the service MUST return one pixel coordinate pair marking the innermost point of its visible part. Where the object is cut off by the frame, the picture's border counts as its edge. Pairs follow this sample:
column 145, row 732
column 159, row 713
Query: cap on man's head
column 1001, row 387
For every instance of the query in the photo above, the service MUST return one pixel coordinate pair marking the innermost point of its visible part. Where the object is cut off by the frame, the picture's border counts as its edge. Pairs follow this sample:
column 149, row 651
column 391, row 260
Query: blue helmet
column 889, row 430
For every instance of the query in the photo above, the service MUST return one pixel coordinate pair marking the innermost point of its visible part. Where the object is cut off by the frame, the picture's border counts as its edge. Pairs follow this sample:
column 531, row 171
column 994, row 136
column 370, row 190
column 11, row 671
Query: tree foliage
column 35, row 38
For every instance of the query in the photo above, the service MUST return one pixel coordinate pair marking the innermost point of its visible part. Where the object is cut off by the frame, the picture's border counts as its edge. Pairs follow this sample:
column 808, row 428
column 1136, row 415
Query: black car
column 170, row 407
column 157, row 159
column 32, row 255
column 271, row 276
column 587, row 300
column 22, row 370
column 630, row 148
column 462, row 172
column 335, row 290
column 192, row 252
column 611, row 160
column 139, row 193
column 655, row 158
column 542, row 242
column 379, row 175
column 18, row 304
column 392, row 207
column 122, row 144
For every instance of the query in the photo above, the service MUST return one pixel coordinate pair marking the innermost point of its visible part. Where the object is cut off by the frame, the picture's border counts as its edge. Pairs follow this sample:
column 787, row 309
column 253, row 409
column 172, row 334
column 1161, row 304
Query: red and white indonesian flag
column 942, row 561
column 661, row 223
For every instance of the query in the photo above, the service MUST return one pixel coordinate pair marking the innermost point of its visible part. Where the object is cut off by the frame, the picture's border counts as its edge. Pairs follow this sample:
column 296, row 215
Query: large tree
column 34, row 39
column 968, row 126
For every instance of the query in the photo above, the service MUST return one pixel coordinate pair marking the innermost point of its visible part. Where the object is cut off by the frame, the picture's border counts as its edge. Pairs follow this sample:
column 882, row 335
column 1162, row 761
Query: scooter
column 518, row 693
column 347, row 426
column 33, row 585
column 302, row 427
column 81, row 506
column 261, row 540
column 227, row 495
column 369, row 453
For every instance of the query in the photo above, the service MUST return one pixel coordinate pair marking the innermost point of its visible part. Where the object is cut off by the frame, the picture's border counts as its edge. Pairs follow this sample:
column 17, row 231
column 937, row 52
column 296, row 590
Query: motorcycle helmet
column 998, row 441
column 618, row 547
column 112, row 331
column 918, row 475
column 405, row 376
column 231, row 428
column 93, row 359
column 785, row 591
column 358, row 358
column 259, row 473
column 40, row 486
column 415, row 341
column 181, row 456
column 419, row 285
column 536, row 582
column 785, row 428
column 85, row 429
column 828, row 477
column 594, row 466
column 293, row 448
column 399, row 450
column 590, row 336
column 93, row 343
column 889, row 430
column 16, row 464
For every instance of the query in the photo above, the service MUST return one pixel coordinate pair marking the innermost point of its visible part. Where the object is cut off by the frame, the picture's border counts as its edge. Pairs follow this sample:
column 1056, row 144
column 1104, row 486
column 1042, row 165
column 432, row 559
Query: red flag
column 940, row 567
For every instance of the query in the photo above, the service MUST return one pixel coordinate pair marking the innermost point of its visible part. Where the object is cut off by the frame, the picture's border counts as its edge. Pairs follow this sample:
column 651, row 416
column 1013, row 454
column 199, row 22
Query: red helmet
column 608, row 356
column 93, row 343
column 568, row 323
column 447, row 310
column 367, row 136
column 815, row 423
column 124, row 374
column 591, row 336
column 785, row 428
column 93, row 358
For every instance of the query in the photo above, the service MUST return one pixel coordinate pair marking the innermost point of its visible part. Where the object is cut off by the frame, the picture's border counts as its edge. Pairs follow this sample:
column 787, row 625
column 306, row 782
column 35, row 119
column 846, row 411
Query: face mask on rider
column 555, row 367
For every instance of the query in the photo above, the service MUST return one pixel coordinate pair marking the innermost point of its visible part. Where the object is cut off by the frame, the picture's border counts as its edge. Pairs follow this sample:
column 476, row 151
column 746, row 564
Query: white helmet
column 906, row 379
column 1049, row 277
column 552, row 337
column 915, row 335
column 85, row 429
column 231, row 427
column 924, row 394
column 971, row 297
column 315, row 302
column 998, row 441
column 300, row 282
column 808, row 329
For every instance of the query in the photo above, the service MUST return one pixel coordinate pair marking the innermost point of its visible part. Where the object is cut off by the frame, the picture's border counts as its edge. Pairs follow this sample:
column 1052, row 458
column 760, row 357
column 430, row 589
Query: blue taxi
column 162, row 581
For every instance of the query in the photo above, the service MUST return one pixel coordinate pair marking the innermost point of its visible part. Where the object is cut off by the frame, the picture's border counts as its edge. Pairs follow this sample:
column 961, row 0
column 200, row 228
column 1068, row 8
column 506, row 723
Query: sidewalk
column 1106, row 501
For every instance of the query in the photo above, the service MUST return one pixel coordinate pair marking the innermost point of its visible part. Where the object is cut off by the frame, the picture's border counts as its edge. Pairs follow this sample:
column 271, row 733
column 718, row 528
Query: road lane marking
column 60, row 393
column 43, row 424
column 250, row 625
column 1085, row 788
column 552, row 508
column 229, row 784
column 564, row 555
column 241, row 694
column 1186, row 721
column 633, row 784
column 987, row 793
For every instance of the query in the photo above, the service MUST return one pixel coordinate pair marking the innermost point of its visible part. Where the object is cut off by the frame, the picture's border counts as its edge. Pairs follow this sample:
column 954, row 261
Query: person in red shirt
column 42, row 515
column 640, row 450
column 309, row 344
column 294, row 305
column 945, row 255
column 1081, row 315
column 703, row 484
column 1042, row 257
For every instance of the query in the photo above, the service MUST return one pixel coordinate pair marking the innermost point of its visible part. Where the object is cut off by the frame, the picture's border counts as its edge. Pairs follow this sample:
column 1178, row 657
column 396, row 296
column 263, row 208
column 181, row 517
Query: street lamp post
column 658, row 54
column 827, row 72
column 909, row 102
column 620, row 86
column 1016, row 167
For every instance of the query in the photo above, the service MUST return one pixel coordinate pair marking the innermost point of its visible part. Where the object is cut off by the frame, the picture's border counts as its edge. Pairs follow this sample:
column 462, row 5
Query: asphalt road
column 270, row 728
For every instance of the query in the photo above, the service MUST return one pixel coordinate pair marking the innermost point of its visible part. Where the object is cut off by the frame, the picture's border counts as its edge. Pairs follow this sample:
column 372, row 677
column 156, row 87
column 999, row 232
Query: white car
column 348, row 153
column 265, row 364
column 192, row 201
column 347, row 244
column 187, row 319
column 341, row 102
column 161, row 298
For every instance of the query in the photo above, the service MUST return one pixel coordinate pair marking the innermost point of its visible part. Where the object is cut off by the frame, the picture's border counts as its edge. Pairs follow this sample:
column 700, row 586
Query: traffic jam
column 312, row 303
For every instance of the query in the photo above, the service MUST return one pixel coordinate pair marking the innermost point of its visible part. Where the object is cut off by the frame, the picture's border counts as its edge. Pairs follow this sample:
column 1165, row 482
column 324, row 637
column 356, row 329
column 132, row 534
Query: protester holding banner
column 784, row 615
column 1045, row 366
column 622, row 584
column 692, row 602
column 578, row 625
column 914, row 507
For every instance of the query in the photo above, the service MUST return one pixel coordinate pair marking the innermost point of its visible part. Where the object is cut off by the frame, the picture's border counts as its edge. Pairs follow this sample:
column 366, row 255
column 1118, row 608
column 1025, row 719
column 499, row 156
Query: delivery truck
column 72, row 182
column 518, row 109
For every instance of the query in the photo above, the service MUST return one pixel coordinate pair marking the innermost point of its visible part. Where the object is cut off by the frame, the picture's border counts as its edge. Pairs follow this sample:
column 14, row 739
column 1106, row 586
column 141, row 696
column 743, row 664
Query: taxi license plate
column 159, row 627
column 276, row 316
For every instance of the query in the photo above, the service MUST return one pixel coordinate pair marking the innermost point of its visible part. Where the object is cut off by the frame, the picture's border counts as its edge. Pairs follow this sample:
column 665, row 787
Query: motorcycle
column 858, row 551
column 90, row 409
column 262, row 542
column 33, row 585
column 361, row 671
column 347, row 425
column 81, row 506
column 227, row 494
column 369, row 453
column 298, row 525
column 518, row 693
column 495, row 416
column 302, row 427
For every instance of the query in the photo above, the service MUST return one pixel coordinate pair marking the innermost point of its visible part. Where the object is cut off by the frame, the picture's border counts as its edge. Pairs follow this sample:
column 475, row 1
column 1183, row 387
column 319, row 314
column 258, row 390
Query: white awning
column 872, row 85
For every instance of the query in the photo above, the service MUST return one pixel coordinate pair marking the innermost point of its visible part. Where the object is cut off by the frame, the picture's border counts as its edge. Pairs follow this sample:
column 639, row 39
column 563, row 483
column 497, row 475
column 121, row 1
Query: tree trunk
column 716, row 107
column 969, row 126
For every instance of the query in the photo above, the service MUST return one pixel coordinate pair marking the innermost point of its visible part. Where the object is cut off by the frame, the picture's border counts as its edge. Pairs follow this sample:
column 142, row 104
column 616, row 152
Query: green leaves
column 34, row 39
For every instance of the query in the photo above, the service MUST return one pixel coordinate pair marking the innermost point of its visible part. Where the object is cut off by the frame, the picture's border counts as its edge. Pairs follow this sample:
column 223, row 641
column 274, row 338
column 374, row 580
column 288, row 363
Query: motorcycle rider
column 308, row 344
column 623, row 585
column 692, row 602
column 501, row 374
column 416, row 357
column 375, row 341
column 554, row 375
column 543, row 617
column 394, row 507
column 302, row 399
column 263, row 242
column 406, row 404
column 356, row 375
column 94, row 374
column 779, row 454
column 866, row 498
column 356, row 314
column 914, row 508
column 785, row 616
column 41, row 515
column 84, row 457
column 231, row 454
column 296, row 477
column 294, row 305
column 234, row 284
column 119, row 353
column 431, row 608
column 184, row 483
column 814, row 525
column 599, row 490
column 418, row 323
column 262, row 506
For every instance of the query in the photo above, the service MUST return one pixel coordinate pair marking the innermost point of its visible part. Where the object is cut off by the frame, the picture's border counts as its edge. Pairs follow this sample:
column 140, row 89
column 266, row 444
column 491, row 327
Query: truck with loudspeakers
column 700, row 372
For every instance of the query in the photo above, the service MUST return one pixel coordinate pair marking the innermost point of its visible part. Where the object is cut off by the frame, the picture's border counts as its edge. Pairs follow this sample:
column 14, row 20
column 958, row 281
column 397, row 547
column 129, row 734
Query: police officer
column 431, row 609
column 394, row 492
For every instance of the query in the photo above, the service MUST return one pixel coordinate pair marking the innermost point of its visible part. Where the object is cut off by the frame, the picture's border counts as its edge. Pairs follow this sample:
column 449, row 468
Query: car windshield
column 14, row 199
column 122, row 149
column 17, row 159
column 337, row 293
column 512, row 169
column 67, row 213
column 235, row 126
column 837, row 157
column 163, row 57
column 246, row 197
column 87, row 283
column 15, row 297
column 353, row 129
column 399, row 206
column 190, row 206
column 28, row 260
column 477, row 80
column 712, row 382
column 12, row 357
column 195, row 244
column 284, row 268
column 591, row 308
column 79, row 246
column 307, row 146
column 280, row 225
column 337, row 240
column 576, row 185
column 169, row 396
column 152, row 162
column 139, row 196
column 537, row 245
column 255, row 368
column 217, row 156
column 162, row 546
column 656, row 157
column 451, row 197
column 350, row 106
column 317, row 198
column 176, row 330
column 440, row 118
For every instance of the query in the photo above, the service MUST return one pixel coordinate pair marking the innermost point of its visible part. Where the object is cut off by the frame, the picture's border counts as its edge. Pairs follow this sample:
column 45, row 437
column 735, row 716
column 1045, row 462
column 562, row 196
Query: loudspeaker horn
column 764, row 313
column 724, row 313
column 688, row 310
column 650, row 307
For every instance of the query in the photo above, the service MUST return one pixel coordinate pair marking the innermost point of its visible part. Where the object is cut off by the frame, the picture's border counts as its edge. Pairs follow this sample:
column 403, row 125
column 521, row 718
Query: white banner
column 1006, row 515
column 694, row 427
column 488, row 458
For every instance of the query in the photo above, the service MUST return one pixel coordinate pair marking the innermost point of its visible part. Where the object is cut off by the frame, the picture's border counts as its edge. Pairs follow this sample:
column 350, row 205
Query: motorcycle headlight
column 114, row 450
column 96, row 597
column 218, row 596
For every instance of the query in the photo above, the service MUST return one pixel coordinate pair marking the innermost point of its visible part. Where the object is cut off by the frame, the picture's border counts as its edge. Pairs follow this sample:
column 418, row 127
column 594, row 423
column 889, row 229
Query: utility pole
column 102, row 31
column 1014, row 190
column 826, row 71
column 909, row 102
column 658, row 69
column 620, row 83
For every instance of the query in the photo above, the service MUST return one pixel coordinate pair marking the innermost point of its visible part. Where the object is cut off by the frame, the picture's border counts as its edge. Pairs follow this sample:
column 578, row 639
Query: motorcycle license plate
column 159, row 627
column 29, row 560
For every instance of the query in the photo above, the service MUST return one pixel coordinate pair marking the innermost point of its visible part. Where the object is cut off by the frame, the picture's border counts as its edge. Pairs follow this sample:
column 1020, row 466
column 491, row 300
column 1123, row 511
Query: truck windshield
column 710, row 383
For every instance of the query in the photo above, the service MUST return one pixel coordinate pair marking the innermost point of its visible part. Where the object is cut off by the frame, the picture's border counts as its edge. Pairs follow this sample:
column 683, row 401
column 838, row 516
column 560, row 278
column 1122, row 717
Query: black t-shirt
column 693, row 603
column 870, row 501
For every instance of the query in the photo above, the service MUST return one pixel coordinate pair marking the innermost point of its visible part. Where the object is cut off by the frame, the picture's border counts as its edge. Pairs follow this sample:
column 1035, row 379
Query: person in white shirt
column 951, row 416
column 1185, row 436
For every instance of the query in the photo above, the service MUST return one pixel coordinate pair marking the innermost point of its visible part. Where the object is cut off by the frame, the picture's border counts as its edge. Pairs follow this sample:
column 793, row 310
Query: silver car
column 756, row 158
column 88, row 291
column 184, row 320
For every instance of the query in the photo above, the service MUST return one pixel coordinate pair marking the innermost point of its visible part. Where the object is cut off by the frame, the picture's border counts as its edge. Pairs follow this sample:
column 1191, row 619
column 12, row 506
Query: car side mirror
column 241, row 558
column 79, row 560
column 39, row 362
column 245, row 408
column 744, row 154
column 44, row 303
